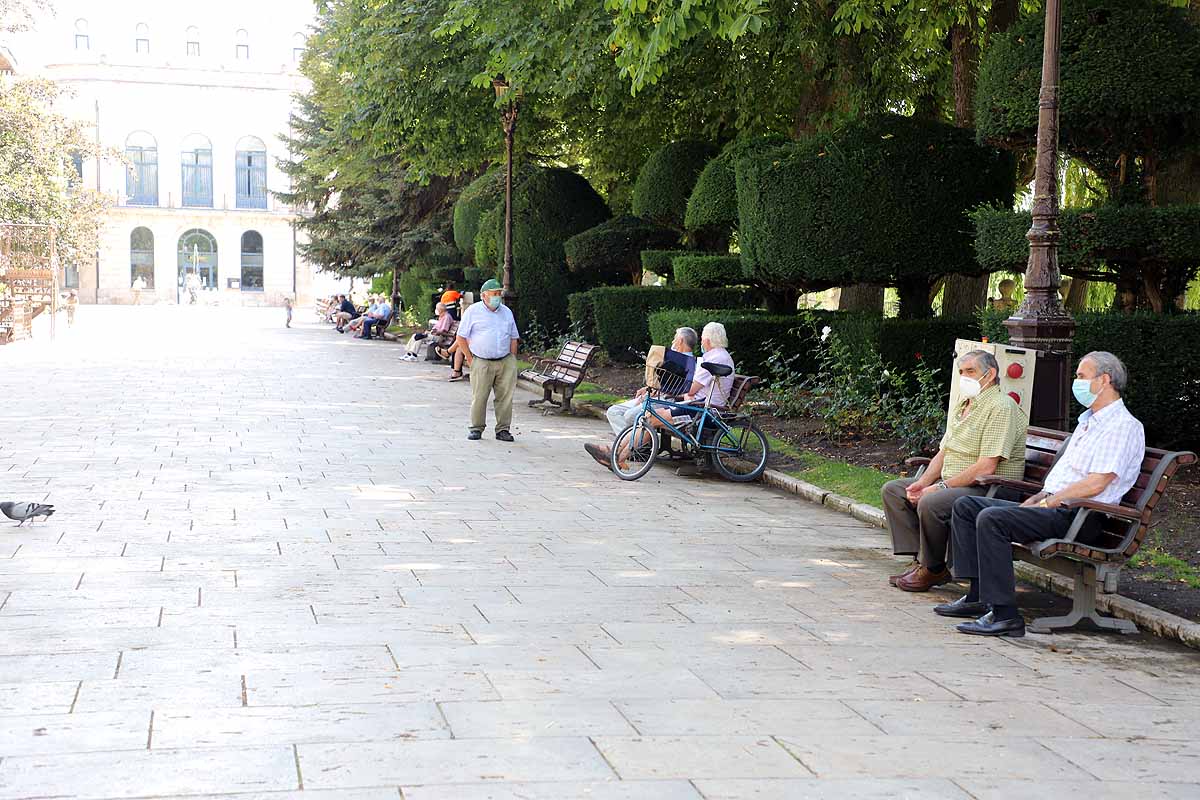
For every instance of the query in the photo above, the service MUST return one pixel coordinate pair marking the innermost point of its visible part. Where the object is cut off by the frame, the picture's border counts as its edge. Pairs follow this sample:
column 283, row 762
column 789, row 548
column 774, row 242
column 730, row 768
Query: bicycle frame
column 650, row 405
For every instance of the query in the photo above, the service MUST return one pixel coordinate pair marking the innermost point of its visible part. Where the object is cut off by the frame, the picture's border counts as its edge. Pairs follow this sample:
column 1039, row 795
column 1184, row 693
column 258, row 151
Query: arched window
column 141, row 39
column 193, row 41
column 197, row 172
column 198, row 257
column 252, row 261
column 299, row 41
column 141, row 182
column 83, row 41
column 241, row 50
column 141, row 258
column 251, row 173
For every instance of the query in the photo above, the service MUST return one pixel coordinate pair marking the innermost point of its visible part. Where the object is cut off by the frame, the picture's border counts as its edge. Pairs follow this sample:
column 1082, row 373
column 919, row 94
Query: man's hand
column 1042, row 500
column 915, row 491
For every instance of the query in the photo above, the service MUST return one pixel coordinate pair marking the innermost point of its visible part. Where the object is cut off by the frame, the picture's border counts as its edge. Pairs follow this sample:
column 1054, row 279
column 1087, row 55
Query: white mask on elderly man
column 969, row 387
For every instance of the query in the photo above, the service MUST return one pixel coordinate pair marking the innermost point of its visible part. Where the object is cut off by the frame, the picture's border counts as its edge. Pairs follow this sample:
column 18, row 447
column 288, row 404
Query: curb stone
column 1147, row 618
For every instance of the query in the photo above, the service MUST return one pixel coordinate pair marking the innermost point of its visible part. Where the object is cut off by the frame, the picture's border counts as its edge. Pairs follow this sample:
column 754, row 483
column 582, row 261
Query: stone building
column 196, row 98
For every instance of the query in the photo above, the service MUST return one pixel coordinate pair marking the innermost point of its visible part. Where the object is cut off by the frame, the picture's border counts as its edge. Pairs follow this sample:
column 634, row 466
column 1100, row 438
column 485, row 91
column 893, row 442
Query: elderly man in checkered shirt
column 1102, row 461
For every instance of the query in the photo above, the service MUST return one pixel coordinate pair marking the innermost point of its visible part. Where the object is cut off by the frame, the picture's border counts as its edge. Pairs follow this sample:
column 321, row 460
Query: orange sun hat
column 450, row 297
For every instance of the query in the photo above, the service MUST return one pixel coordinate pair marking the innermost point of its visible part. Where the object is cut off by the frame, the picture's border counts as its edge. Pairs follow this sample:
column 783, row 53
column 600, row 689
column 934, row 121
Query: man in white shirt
column 1101, row 462
column 488, row 335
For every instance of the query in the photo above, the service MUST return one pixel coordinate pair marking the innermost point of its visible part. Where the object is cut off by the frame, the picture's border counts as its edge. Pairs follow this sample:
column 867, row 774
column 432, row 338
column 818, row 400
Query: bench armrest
column 1008, row 483
column 1111, row 509
column 917, row 461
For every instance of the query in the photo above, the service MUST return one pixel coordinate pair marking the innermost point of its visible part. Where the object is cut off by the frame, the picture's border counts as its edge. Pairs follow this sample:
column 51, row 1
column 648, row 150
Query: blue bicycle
column 732, row 444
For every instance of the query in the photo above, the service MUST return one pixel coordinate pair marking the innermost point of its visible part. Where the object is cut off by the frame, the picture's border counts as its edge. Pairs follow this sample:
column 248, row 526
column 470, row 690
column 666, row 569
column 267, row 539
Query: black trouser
column 984, row 530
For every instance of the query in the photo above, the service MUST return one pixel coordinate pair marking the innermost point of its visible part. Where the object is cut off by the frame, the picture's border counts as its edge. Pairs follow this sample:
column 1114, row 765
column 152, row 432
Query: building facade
column 196, row 99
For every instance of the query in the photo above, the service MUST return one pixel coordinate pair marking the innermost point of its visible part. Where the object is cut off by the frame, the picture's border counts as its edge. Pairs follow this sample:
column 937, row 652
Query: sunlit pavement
column 277, row 565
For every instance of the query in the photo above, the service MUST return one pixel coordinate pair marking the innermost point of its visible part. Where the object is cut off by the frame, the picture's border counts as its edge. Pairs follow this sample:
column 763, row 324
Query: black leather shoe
column 504, row 436
column 987, row 626
column 962, row 608
column 475, row 436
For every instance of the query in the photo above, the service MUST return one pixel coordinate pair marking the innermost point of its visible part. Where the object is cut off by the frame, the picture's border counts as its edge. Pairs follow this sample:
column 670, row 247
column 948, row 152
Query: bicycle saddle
column 720, row 370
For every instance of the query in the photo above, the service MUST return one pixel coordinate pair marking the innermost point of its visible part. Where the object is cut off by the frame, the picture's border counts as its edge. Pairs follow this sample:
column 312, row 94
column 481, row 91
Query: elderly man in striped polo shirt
column 985, row 436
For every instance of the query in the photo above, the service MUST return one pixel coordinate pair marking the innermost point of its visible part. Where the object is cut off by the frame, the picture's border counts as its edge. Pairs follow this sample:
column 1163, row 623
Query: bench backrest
column 572, row 362
column 1117, row 536
column 739, row 391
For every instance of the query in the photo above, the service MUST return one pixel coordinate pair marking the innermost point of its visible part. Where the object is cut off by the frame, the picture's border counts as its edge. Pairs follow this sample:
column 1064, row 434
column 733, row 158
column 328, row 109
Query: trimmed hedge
column 620, row 314
column 417, row 288
column 750, row 333
column 1157, row 350
column 549, row 208
column 662, row 188
column 1162, row 244
column 712, row 206
column 659, row 262
column 1130, row 84
column 883, row 201
column 489, row 247
column 479, row 197
column 610, row 253
column 706, row 271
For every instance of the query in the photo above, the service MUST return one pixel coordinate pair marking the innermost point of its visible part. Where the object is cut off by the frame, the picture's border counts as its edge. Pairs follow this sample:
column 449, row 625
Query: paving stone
column 453, row 761
column 521, row 719
column 990, row 789
column 45, row 734
column 1137, row 759
column 965, row 720
column 817, row 789
column 744, row 717
column 613, row 790
column 649, row 757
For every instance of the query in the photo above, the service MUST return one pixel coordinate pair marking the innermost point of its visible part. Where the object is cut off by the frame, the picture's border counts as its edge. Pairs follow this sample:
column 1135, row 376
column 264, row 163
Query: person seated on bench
column 345, row 314
column 1101, row 462
column 623, row 414
column 356, row 324
column 421, row 338
column 379, row 320
column 985, row 436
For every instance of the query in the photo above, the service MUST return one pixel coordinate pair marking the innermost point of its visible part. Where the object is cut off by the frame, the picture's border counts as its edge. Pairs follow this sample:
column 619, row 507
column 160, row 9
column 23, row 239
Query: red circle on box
column 1015, row 370
column 1016, row 397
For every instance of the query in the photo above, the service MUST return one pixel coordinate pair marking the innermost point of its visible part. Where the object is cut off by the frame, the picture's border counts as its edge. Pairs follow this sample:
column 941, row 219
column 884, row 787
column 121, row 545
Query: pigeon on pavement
column 25, row 511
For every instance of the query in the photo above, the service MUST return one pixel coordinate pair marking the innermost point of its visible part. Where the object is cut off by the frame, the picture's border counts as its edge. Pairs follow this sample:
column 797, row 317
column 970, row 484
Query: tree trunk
column 964, row 295
column 782, row 300
column 1077, row 294
column 914, row 298
column 861, row 297
column 1003, row 15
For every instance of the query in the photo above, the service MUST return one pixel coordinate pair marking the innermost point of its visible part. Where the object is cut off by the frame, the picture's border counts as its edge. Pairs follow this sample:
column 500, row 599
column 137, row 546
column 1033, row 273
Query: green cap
column 491, row 285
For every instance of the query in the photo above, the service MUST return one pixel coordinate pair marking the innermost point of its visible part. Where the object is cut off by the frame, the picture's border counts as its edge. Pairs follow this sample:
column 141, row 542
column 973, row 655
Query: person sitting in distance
column 378, row 321
column 984, row 436
column 1101, row 462
column 422, row 338
column 356, row 324
column 623, row 414
column 346, row 313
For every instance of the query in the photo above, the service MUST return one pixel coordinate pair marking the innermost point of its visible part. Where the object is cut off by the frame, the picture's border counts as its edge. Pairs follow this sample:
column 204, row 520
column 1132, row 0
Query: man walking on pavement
column 488, row 335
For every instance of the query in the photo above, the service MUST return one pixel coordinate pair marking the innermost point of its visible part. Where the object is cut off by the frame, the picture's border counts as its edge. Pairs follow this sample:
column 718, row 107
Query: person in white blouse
column 1101, row 463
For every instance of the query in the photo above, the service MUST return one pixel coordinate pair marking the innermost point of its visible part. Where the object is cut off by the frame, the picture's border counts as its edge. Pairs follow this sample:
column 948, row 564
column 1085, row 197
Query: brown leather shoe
column 922, row 580
column 909, row 570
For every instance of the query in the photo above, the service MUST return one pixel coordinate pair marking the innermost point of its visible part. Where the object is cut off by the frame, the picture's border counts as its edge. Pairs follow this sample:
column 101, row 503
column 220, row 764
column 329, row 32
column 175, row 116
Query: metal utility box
column 1033, row 378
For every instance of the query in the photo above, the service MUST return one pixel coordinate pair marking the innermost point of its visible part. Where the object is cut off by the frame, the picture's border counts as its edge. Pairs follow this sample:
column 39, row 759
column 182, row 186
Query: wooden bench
column 1096, row 565
column 563, row 373
column 442, row 340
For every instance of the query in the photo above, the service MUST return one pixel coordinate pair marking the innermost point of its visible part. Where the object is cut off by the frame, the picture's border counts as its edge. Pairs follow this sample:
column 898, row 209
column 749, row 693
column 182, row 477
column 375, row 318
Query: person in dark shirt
column 346, row 312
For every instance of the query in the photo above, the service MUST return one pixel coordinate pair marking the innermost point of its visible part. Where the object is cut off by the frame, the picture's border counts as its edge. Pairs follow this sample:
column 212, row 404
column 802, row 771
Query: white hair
column 715, row 333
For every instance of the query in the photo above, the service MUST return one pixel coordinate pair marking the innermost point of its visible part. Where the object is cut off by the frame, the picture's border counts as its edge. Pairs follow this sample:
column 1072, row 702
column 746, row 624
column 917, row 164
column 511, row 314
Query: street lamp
column 508, row 121
column 1041, row 323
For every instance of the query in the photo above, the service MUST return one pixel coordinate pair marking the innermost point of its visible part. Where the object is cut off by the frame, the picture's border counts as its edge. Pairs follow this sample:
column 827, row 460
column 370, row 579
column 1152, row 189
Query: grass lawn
column 858, row 483
column 1162, row 566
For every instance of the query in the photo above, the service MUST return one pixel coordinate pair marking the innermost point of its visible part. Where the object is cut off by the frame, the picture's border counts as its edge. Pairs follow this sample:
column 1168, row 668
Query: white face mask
column 969, row 387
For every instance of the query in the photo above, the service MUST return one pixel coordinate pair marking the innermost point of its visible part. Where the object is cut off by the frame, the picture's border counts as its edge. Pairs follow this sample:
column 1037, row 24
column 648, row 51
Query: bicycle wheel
column 641, row 442
column 741, row 453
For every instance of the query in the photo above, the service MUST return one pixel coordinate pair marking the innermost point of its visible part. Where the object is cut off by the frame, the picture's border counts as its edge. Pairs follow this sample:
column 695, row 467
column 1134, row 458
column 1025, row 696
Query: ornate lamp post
column 1041, row 323
column 508, row 121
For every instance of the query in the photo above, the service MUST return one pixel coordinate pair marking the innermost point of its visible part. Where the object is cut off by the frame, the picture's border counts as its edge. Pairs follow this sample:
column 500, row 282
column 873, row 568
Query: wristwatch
column 941, row 485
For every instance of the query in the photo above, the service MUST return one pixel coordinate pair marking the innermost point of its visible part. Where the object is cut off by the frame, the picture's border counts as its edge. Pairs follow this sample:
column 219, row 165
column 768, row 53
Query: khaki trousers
column 488, row 377
column 923, row 531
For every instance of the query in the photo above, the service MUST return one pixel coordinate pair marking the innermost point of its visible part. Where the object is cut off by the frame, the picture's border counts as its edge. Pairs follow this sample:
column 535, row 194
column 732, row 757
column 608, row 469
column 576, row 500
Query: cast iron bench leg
column 1083, row 606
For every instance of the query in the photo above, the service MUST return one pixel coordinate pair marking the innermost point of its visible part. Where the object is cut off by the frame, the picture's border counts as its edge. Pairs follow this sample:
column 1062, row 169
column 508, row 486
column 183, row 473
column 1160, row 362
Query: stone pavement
column 279, row 569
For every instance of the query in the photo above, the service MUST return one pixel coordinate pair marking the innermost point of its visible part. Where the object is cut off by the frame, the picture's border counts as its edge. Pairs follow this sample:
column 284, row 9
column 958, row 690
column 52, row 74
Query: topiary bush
column 712, row 207
column 549, row 208
column 620, row 313
column 474, row 277
column 662, row 188
column 417, row 288
column 1152, row 253
column 1130, row 87
column 659, row 262
column 703, row 271
column 754, row 336
column 489, row 247
column 478, row 198
column 611, row 252
column 883, row 200
column 579, row 312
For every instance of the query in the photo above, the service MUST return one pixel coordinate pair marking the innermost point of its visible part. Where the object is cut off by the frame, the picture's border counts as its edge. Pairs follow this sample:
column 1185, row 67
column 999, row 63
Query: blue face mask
column 494, row 301
column 1082, row 389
